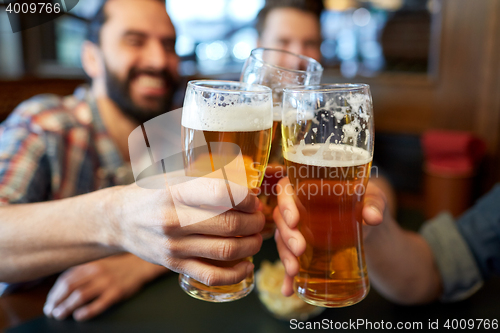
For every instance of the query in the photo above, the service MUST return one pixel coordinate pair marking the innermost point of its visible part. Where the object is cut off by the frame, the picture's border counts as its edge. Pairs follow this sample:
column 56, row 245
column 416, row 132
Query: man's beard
column 119, row 92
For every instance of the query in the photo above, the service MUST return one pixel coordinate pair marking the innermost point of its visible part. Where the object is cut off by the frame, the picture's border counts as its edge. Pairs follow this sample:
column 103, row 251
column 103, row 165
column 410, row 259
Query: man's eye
column 169, row 46
column 283, row 42
column 312, row 44
column 134, row 41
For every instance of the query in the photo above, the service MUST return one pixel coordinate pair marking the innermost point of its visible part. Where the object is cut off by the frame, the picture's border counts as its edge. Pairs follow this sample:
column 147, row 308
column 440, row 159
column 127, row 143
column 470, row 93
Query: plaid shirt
column 57, row 147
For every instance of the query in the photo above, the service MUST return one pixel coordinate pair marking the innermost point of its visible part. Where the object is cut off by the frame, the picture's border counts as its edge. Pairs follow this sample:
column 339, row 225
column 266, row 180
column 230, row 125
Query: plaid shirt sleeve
column 24, row 166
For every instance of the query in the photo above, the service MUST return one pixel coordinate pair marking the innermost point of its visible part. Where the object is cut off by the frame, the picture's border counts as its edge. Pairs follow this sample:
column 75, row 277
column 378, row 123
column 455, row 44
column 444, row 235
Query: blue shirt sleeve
column 466, row 251
column 480, row 227
column 454, row 259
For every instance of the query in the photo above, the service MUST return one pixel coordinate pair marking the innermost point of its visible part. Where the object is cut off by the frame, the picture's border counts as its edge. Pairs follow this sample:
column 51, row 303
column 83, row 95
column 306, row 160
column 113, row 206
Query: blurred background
column 431, row 64
column 360, row 38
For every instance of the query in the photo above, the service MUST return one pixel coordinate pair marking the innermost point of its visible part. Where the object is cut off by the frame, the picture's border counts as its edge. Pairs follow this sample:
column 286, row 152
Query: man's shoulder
column 50, row 113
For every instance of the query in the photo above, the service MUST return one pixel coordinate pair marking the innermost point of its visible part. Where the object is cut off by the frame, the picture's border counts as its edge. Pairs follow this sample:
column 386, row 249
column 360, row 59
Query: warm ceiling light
column 340, row 5
column 391, row 5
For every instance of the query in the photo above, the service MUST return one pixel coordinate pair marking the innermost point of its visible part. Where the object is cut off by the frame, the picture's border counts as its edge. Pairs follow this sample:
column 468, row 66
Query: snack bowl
column 269, row 279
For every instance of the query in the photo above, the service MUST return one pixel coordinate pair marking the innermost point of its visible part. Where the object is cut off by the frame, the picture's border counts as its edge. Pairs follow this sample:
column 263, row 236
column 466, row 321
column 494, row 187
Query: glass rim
column 212, row 86
column 303, row 57
column 326, row 88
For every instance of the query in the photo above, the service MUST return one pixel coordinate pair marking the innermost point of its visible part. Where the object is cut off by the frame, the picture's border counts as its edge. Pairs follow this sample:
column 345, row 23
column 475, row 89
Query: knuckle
column 98, row 269
column 172, row 264
column 172, row 247
column 226, row 250
column 175, row 193
column 78, row 295
column 230, row 222
column 210, row 277
column 217, row 192
column 66, row 286
column 169, row 228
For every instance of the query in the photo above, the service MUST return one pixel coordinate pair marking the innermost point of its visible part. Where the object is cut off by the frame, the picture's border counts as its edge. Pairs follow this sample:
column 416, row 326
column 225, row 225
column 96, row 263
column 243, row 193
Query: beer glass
column 277, row 69
column 226, row 126
column 328, row 148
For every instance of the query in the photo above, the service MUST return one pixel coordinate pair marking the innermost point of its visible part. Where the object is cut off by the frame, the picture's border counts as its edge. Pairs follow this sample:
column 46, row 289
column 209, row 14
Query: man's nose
column 155, row 56
column 297, row 48
column 292, row 61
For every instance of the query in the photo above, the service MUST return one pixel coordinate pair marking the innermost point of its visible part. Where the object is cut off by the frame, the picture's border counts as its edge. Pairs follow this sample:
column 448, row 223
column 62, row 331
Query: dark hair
column 96, row 23
column 309, row 6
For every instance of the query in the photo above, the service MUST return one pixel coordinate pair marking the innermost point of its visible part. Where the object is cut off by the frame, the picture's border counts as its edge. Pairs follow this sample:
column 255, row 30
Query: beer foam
column 360, row 104
column 277, row 113
column 290, row 116
column 327, row 155
column 228, row 118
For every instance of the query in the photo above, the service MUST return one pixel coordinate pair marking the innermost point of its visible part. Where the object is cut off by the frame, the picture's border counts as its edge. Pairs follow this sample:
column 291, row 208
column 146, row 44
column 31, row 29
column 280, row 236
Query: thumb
column 375, row 206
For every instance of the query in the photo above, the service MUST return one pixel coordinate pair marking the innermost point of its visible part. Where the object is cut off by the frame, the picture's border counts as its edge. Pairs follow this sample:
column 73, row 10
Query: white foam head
column 327, row 155
column 290, row 116
column 277, row 112
column 227, row 106
column 230, row 118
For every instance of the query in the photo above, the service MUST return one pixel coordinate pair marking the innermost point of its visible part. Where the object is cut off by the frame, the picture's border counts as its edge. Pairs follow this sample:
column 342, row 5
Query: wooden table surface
column 23, row 305
column 163, row 306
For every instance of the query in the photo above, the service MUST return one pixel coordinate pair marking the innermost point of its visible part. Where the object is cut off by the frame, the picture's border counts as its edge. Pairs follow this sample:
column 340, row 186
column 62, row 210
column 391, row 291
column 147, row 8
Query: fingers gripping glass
column 226, row 134
column 328, row 147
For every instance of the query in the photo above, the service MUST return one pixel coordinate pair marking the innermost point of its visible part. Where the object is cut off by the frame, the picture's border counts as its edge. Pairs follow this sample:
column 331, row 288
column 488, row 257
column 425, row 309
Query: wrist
column 110, row 211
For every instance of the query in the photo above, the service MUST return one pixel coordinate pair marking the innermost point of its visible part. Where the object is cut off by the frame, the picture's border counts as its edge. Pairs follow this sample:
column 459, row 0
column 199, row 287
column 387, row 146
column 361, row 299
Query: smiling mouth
column 151, row 82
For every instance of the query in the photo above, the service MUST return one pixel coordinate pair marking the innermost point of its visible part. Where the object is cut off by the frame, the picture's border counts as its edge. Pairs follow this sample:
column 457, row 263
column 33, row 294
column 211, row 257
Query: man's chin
column 142, row 116
column 144, row 112
column 151, row 103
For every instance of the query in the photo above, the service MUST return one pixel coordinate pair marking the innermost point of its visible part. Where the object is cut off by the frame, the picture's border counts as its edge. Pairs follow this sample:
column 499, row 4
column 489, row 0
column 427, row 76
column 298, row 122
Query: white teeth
column 150, row 81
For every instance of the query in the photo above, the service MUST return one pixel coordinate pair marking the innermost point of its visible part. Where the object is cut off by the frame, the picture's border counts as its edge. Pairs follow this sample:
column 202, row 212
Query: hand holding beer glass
column 226, row 134
column 277, row 69
column 328, row 147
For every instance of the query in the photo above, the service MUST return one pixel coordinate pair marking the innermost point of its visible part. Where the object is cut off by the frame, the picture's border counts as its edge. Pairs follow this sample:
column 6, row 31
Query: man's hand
column 291, row 243
column 145, row 222
column 88, row 290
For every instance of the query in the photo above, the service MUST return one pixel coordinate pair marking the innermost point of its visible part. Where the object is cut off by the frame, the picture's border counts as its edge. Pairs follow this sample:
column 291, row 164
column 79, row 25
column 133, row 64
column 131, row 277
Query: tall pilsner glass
column 277, row 69
column 226, row 132
column 328, row 148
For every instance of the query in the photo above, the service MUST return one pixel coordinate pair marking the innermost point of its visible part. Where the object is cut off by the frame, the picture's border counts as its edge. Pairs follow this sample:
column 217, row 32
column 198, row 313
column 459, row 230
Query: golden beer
column 255, row 149
column 330, row 186
column 274, row 172
column 226, row 133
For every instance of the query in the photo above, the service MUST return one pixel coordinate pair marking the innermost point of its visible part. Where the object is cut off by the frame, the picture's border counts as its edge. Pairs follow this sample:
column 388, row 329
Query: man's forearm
column 401, row 265
column 43, row 238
